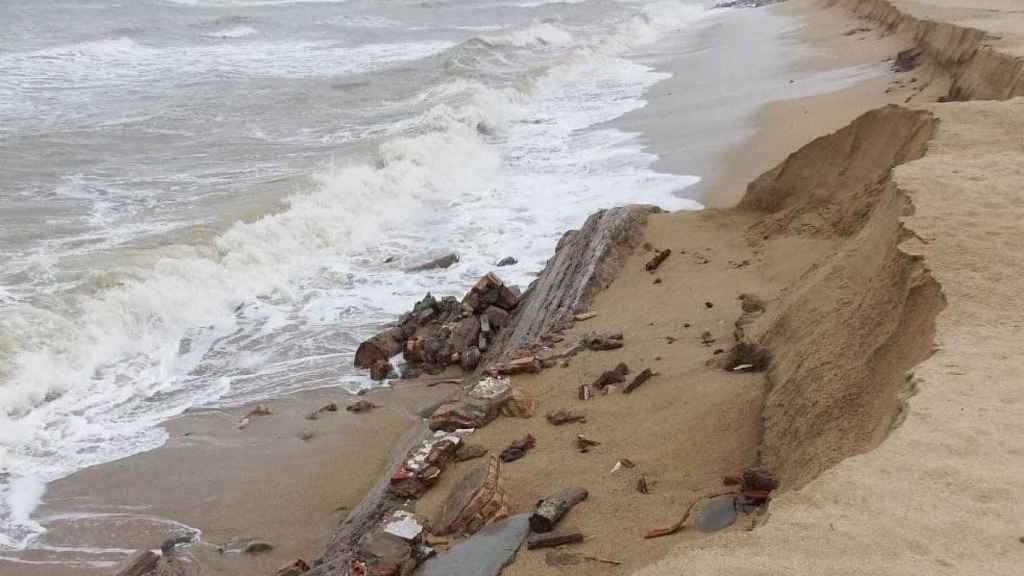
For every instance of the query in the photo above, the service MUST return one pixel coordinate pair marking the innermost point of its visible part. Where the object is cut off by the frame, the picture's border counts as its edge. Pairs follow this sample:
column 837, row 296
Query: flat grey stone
column 485, row 553
column 717, row 514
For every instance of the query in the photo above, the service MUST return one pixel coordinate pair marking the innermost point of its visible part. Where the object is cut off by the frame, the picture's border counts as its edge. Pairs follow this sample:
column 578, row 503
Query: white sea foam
column 491, row 171
column 234, row 32
column 542, row 34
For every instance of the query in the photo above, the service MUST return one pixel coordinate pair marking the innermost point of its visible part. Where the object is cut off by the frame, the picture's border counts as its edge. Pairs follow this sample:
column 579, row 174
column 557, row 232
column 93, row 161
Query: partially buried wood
column 552, row 539
column 660, row 257
column 640, row 379
column 551, row 509
column 379, row 348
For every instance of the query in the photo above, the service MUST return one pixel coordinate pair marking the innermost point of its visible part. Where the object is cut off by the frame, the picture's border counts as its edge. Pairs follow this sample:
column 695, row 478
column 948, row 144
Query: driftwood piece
column 559, row 417
column 379, row 348
column 551, row 509
column 583, row 392
column 640, row 379
column 641, row 485
column 552, row 539
column 603, row 560
column 584, row 443
column 660, row 257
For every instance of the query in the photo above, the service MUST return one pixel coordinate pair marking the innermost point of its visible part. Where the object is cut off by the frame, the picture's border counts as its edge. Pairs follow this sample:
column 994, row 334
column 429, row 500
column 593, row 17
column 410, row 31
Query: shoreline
column 719, row 413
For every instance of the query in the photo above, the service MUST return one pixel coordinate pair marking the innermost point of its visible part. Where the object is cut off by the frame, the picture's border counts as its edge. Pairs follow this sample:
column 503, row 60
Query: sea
column 211, row 202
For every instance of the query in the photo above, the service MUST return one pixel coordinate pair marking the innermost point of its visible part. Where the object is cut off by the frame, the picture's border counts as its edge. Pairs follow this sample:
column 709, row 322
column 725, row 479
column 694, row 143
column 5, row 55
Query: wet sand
column 228, row 486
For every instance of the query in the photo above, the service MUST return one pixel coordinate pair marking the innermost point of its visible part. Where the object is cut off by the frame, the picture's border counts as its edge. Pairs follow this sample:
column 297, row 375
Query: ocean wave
column 541, row 34
column 90, row 382
column 234, row 32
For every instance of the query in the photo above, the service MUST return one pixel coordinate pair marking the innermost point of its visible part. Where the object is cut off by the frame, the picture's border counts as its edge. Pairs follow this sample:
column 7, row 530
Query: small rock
column 360, row 406
column 469, row 452
column 706, row 338
column 470, row 359
column 657, row 281
column 507, row 261
column 442, row 262
column 519, row 405
column 382, row 371
column 307, row 436
column 709, row 305
column 257, row 547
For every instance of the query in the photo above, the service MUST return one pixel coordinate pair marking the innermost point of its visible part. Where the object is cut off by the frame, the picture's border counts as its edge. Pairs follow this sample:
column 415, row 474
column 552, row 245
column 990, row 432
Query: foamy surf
column 494, row 163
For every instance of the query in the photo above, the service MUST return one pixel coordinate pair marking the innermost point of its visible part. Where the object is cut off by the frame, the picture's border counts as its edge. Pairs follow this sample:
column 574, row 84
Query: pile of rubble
column 436, row 333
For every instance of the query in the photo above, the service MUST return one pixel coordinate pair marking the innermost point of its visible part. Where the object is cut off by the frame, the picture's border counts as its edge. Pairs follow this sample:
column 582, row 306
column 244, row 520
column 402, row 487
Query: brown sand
column 851, row 306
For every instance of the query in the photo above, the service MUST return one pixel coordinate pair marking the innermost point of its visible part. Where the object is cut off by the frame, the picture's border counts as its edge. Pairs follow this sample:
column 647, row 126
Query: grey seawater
column 197, row 197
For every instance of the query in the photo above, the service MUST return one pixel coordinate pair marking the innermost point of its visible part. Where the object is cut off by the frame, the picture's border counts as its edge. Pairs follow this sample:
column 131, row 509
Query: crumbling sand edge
column 979, row 70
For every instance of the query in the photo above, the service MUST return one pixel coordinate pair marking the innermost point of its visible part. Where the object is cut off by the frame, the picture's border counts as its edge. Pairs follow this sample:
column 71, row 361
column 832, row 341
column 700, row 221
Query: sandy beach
column 858, row 242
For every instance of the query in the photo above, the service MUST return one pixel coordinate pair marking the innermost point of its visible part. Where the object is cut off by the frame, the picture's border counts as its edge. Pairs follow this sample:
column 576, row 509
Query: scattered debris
column 709, row 305
column 627, row 463
column 641, row 485
column 677, row 526
column 638, row 380
column 613, row 376
column 551, row 509
column 307, row 436
column 559, row 417
column 584, row 316
column 599, row 342
column 660, row 257
column 526, row 365
column 706, row 338
column 743, row 368
column 257, row 547
column 518, row 448
column 657, row 281
column 584, row 444
column 553, row 539
column 507, row 261
column 584, row 392
column 602, row 560
column 360, row 406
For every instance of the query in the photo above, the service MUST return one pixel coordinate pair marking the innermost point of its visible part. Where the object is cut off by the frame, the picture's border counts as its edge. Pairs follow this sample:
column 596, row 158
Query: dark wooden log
column 552, row 539
column 379, row 348
column 660, row 257
column 551, row 509
column 640, row 379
